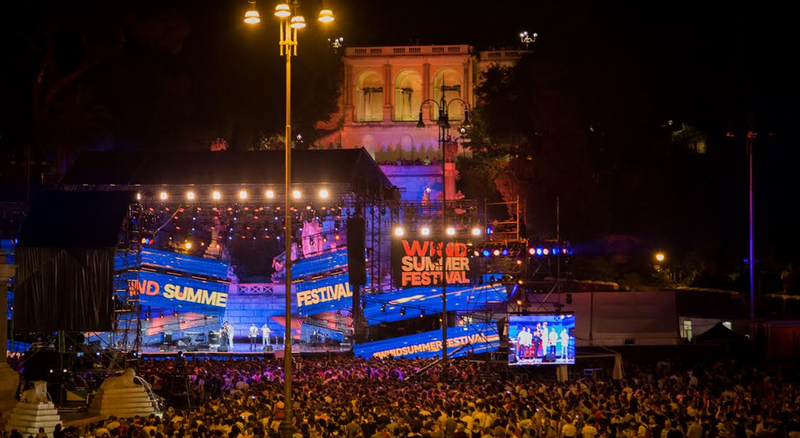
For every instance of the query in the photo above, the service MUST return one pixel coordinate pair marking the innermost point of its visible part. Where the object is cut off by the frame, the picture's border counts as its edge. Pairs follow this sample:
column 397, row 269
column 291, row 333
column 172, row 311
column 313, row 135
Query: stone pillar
column 426, row 88
column 450, row 175
column 388, row 94
column 349, row 91
column 9, row 379
column 467, row 84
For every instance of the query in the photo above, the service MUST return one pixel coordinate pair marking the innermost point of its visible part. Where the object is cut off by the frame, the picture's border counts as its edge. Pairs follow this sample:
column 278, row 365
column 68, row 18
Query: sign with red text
column 421, row 262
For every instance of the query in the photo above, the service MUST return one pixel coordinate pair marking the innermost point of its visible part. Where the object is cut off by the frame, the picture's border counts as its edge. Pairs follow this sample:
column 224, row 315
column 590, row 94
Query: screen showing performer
column 543, row 339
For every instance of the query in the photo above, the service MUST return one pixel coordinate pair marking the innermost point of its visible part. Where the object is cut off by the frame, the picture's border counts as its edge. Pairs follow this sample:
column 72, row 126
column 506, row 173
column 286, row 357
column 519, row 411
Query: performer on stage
column 253, row 335
column 265, row 331
column 545, row 339
column 553, row 341
column 224, row 334
column 564, row 343
column 520, row 337
column 526, row 343
column 231, row 334
column 537, row 340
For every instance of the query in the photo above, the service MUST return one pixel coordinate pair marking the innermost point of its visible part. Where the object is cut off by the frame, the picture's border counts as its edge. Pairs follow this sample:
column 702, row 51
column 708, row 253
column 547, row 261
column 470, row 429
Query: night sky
column 176, row 74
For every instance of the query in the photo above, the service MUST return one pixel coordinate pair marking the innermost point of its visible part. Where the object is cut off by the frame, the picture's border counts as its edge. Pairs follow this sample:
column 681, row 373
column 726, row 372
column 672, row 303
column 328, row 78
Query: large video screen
column 542, row 339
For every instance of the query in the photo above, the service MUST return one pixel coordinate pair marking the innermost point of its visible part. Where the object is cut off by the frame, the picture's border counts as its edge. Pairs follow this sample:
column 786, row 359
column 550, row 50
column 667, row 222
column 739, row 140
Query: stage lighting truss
column 508, row 250
column 549, row 249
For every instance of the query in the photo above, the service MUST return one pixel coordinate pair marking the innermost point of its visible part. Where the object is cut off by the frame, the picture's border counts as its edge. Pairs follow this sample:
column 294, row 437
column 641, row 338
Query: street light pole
column 751, row 135
column 444, row 138
column 290, row 21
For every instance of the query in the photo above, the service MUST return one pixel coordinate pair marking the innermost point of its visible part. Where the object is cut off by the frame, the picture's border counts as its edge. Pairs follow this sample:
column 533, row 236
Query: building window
column 687, row 330
column 407, row 96
column 449, row 83
column 369, row 97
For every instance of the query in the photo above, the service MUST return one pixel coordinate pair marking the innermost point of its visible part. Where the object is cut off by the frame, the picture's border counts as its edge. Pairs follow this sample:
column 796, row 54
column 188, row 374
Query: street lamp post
column 527, row 38
column 444, row 140
column 290, row 21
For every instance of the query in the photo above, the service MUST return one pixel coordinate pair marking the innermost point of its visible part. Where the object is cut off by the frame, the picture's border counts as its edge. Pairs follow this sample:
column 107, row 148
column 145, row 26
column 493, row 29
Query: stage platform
column 241, row 350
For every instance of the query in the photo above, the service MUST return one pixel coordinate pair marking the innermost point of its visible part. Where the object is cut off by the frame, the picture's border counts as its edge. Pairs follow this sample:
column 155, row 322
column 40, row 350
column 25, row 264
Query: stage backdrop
column 477, row 338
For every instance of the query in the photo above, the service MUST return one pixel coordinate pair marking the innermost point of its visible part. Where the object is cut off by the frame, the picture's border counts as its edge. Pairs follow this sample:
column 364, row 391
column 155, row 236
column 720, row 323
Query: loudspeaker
column 356, row 240
column 213, row 337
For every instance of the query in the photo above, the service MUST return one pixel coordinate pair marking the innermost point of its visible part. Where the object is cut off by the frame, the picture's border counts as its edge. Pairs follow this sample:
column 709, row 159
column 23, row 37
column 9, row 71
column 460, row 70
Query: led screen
column 542, row 339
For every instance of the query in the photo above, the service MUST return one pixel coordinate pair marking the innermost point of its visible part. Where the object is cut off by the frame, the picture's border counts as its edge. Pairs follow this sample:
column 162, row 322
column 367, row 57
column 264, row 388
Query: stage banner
column 184, row 294
column 419, row 263
column 172, row 262
column 408, row 303
column 474, row 338
column 319, row 264
column 324, row 294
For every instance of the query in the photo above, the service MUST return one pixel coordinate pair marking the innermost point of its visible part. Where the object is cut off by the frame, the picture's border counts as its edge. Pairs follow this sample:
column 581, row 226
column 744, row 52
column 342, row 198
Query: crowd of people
column 347, row 397
column 427, row 161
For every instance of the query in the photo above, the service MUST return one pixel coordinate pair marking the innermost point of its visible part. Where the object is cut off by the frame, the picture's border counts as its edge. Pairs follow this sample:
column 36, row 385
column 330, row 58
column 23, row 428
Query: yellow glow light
column 399, row 231
column 298, row 22
column 296, row 194
column 163, row 196
column 188, row 245
column 282, row 10
column 138, row 196
column 216, row 195
column 660, row 257
column 425, row 231
column 190, row 195
column 243, row 194
column 252, row 17
column 270, row 194
column 326, row 16
column 476, row 231
column 323, row 194
column 451, row 231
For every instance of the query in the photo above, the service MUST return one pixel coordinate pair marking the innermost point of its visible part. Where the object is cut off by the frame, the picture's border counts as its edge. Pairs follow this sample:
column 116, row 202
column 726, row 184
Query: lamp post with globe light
column 290, row 22
column 447, row 231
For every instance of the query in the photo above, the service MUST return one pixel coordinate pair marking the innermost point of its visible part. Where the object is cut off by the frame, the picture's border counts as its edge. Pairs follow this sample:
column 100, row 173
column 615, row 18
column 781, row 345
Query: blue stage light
column 505, row 252
column 489, row 230
column 486, row 253
column 538, row 251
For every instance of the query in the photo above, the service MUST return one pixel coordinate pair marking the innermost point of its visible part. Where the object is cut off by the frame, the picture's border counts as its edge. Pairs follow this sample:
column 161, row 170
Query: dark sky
column 188, row 71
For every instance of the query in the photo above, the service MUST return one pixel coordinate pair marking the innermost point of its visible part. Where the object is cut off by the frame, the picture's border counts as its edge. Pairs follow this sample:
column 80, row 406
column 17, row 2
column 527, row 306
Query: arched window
column 407, row 95
column 450, row 82
column 369, row 97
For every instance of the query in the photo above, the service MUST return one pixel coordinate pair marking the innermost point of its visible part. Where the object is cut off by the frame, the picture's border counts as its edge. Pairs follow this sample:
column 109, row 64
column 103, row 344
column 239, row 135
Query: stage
column 242, row 350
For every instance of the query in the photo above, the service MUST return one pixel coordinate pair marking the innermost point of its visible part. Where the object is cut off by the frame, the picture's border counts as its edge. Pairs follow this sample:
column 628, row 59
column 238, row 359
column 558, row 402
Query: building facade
column 385, row 88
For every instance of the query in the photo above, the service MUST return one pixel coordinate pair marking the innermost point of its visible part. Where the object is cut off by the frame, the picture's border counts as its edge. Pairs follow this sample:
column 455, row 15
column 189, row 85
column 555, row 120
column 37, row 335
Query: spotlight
column 505, row 252
column 421, row 313
column 399, row 231
column 270, row 194
column 496, row 252
column 538, row 251
column 138, row 196
column 532, row 251
column 451, row 231
column 323, row 194
column 188, row 245
column 402, row 311
column 242, row 194
column 163, row 196
column 545, row 251
column 476, row 231
column 425, row 231
column 296, row 194
column 190, row 195
column 476, row 253
column 486, row 253
column 519, row 302
column 216, row 195
column 383, row 308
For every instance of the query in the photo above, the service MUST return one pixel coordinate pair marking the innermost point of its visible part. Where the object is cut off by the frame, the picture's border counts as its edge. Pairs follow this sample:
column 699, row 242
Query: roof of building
column 354, row 167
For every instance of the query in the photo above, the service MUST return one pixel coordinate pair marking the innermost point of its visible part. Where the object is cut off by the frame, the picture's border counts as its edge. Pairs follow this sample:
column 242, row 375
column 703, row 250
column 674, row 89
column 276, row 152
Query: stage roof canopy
column 354, row 167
